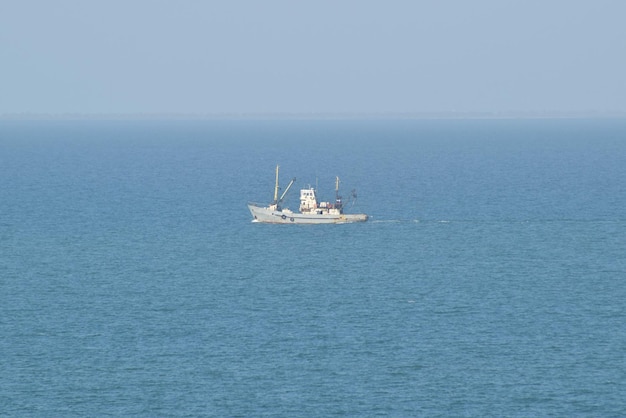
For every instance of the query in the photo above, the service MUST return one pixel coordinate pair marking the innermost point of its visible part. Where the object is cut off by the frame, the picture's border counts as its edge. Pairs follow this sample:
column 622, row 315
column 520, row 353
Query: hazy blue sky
column 120, row 56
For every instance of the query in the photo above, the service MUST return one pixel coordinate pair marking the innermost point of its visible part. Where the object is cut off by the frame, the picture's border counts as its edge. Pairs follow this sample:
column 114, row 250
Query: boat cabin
column 309, row 203
column 308, row 200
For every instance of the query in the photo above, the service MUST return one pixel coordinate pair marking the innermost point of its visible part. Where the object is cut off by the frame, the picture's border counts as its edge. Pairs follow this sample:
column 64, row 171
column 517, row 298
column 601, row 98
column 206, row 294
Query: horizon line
column 312, row 115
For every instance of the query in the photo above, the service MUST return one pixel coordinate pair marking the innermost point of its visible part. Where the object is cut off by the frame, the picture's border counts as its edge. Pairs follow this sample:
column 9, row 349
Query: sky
column 322, row 56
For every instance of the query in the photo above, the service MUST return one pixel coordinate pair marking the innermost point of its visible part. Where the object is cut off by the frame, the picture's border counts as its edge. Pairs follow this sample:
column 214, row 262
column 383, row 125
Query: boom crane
column 278, row 201
column 293, row 180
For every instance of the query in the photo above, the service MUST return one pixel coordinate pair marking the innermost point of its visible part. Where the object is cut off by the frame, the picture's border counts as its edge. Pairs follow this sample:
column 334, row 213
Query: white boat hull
column 273, row 216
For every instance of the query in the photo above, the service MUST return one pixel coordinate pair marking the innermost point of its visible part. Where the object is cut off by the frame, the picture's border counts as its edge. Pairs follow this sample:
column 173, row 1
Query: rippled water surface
column 489, row 281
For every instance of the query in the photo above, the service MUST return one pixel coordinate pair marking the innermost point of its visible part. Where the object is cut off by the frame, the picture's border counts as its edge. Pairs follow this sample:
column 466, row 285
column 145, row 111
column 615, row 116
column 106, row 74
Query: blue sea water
column 490, row 279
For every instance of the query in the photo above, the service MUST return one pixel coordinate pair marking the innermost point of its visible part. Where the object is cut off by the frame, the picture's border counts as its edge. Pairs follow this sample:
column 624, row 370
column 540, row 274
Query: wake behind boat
column 311, row 211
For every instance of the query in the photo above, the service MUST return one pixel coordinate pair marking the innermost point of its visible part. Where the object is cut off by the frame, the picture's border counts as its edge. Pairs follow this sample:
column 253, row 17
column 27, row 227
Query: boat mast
column 338, row 202
column 276, row 188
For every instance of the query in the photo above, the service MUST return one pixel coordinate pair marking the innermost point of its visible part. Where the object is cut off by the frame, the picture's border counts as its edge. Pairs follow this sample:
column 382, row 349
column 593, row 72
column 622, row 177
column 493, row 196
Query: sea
column 489, row 280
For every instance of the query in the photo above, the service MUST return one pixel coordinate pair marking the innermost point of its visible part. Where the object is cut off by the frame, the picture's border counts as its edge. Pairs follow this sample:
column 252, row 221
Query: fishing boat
column 311, row 210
